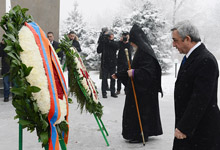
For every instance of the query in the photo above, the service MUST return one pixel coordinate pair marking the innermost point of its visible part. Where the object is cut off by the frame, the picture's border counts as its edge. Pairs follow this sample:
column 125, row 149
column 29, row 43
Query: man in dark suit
column 197, row 116
column 107, row 48
column 55, row 45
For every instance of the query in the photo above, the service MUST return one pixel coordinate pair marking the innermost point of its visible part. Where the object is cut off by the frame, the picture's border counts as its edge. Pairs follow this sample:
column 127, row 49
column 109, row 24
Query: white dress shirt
column 192, row 49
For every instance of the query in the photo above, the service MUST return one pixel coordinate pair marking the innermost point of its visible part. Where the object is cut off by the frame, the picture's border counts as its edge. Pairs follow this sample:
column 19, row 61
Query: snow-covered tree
column 89, row 46
column 155, row 28
column 87, row 37
column 74, row 22
column 146, row 16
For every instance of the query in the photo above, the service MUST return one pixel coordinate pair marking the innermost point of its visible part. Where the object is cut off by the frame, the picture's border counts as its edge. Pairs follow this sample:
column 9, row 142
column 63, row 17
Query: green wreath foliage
column 83, row 98
column 25, row 105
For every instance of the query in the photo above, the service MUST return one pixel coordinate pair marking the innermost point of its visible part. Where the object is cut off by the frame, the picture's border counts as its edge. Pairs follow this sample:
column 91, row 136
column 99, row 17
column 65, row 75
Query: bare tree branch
column 180, row 4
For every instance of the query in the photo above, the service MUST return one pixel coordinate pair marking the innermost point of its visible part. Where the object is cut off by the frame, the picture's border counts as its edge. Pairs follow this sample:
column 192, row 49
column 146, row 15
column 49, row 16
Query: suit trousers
column 105, row 72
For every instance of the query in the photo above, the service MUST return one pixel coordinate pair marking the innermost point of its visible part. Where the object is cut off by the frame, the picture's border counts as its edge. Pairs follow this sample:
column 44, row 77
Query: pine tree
column 89, row 45
column 87, row 37
column 74, row 22
column 155, row 28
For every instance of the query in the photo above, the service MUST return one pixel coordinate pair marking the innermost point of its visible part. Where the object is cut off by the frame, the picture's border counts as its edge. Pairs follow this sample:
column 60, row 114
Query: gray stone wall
column 45, row 13
column 2, row 12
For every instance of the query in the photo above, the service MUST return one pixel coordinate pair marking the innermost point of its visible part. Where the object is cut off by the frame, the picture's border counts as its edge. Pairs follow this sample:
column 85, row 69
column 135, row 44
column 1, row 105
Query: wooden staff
column 135, row 97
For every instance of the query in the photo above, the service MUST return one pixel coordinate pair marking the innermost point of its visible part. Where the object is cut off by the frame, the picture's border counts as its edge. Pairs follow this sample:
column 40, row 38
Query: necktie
column 184, row 60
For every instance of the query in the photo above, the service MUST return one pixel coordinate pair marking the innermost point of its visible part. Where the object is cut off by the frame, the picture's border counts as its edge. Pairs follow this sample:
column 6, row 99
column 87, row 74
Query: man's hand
column 114, row 76
column 130, row 73
column 179, row 135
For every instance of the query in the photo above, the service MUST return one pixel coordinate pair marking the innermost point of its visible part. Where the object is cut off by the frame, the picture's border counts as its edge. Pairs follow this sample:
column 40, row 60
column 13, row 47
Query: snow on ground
column 84, row 133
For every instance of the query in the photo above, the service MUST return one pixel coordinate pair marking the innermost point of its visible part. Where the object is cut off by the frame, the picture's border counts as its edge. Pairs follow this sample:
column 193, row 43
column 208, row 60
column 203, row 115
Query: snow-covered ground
column 84, row 133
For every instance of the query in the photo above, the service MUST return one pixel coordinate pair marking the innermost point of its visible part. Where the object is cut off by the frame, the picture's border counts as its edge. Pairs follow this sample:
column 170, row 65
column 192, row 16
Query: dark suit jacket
column 76, row 44
column 122, row 63
column 56, row 46
column 196, row 110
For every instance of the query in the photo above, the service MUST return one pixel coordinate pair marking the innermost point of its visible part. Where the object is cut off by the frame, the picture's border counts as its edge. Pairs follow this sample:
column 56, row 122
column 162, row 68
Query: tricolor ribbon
column 49, row 60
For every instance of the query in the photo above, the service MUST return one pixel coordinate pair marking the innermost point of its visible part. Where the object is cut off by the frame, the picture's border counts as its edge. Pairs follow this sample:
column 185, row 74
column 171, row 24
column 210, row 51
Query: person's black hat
column 135, row 30
column 125, row 33
column 138, row 37
column 104, row 29
column 72, row 32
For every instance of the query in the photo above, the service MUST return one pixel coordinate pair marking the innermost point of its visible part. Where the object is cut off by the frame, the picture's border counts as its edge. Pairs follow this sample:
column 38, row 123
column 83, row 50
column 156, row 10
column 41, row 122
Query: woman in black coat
column 146, row 74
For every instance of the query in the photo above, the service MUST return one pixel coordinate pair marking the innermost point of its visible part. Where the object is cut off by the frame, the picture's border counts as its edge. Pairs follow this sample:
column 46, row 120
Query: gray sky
column 205, row 14
column 95, row 12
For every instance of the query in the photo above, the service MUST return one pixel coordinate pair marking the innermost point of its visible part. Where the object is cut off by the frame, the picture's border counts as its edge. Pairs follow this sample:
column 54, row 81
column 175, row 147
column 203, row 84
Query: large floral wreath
column 80, row 82
column 36, row 74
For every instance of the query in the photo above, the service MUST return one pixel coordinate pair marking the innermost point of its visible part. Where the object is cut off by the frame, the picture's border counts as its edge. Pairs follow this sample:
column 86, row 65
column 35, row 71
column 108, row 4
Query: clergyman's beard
column 135, row 48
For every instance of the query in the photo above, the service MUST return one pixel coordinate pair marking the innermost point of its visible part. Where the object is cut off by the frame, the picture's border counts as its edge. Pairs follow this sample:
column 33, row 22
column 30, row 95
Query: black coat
column 76, row 44
column 56, row 46
column 122, row 63
column 108, row 49
column 147, row 74
column 196, row 110
column 5, row 60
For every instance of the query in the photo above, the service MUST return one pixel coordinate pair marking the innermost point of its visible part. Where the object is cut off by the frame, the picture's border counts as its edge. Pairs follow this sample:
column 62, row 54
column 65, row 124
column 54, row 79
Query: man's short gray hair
column 186, row 28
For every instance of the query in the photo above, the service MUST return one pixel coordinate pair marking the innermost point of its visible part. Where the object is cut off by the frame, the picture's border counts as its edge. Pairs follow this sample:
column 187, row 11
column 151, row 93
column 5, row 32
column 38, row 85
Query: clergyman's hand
column 179, row 135
column 114, row 76
column 130, row 74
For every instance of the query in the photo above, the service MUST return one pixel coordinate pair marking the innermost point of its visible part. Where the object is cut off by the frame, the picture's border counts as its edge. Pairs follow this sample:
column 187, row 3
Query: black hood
column 138, row 37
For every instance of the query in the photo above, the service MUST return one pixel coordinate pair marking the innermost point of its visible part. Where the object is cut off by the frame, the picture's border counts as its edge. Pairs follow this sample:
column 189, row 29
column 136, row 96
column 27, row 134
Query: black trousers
column 105, row 72
column 118, row 85
column 119, row 69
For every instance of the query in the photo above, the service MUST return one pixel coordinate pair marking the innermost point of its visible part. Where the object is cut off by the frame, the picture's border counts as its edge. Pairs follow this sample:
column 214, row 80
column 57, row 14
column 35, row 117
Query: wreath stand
column 103, row 126
column 61, row 141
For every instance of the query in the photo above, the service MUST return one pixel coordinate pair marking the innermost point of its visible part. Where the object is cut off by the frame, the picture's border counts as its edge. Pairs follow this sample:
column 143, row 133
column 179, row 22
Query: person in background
column 72, row 36
column 146, row 73
column 55, row 45
column 5, row 71
column 197, row 115
column 122, row 63
column 103, row 31
column 108, row 48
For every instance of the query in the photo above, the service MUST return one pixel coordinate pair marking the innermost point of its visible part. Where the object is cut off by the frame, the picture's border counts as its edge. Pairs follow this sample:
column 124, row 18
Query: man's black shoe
column 118, row 92
column 114, row 95
column 6, row 99
column 104, row 96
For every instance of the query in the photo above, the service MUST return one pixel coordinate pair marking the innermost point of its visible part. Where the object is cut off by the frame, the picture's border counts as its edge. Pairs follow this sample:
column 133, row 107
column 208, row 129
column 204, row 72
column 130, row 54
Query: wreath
column 80, row 83
column 36, row 75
